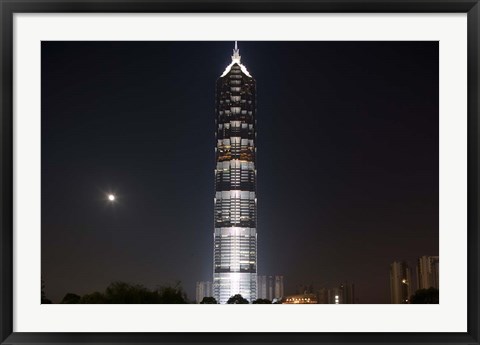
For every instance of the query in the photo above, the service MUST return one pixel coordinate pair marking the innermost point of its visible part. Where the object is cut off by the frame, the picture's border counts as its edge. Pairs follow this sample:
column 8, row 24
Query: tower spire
column 236, row 54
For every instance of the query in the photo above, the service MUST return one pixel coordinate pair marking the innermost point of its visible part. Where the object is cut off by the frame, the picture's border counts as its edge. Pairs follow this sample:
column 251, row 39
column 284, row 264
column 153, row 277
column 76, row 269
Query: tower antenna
column 236, row 54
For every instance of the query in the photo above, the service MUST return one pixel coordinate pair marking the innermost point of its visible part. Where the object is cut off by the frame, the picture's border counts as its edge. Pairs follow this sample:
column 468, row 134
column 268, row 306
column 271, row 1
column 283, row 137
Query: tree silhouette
column 425, row 296
column 93, row 298
column 71, row 298
column 44, row 299
column 237, row 299
column 208, row 300
column 262, row 301
column 125, row 293
column 172, row 295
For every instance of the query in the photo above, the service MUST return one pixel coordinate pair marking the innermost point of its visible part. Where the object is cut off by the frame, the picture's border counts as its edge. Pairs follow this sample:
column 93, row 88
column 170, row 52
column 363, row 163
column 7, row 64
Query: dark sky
column 347, row 160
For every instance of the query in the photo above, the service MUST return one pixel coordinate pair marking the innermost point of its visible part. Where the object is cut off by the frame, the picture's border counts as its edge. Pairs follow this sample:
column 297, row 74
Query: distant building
column 334, row 296
column 278, row 287
column 203, row 289
column 322, row 296
column 262, row 287
column 308, row 298
column 347, row 292
column 427, row 272
column 400, row 283
column 343, row 294
column 270, row 287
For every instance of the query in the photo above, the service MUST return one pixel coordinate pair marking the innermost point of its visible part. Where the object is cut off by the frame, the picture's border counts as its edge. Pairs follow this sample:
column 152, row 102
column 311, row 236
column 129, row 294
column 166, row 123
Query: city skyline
column 347, row 161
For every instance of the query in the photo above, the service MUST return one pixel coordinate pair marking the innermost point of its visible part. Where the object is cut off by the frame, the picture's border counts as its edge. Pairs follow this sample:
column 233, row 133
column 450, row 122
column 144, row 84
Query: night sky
column 347, row 160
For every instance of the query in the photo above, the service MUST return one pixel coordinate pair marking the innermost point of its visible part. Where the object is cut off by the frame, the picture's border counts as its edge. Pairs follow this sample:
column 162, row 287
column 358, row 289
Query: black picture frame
column 8, row 8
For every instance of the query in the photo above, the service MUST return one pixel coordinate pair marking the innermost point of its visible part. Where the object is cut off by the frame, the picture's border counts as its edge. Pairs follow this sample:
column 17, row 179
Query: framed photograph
column 168, row 168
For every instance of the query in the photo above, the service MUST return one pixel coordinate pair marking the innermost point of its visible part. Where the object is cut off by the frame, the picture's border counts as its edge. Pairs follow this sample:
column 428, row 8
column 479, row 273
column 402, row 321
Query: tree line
column 237, row 299
column 125, row 293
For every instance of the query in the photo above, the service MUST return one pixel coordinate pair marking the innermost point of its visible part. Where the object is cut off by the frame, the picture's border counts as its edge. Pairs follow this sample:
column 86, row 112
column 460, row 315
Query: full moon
column 111, row 197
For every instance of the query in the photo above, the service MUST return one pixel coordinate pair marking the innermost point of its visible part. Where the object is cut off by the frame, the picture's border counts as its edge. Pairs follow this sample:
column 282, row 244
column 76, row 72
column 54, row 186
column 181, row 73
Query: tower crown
column 236, row 60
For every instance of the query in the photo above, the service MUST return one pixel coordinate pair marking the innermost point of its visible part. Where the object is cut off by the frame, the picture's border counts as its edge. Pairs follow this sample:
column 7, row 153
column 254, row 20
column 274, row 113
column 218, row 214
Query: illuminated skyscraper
column 235, row 236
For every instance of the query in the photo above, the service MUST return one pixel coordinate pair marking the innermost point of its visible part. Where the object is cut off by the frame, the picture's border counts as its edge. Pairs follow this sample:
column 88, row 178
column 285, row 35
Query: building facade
column 270, row 287
column 400, row 283
column 203, row 289
column 235, row 202
column 427, row 272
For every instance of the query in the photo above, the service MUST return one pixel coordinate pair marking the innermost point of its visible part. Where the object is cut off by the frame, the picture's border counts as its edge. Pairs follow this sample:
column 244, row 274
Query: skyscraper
column 235, row 203
column 400, row 283
column 427, row 272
